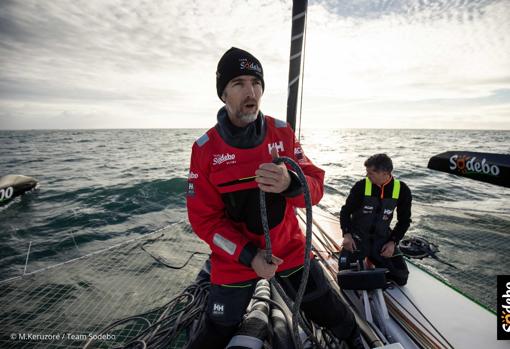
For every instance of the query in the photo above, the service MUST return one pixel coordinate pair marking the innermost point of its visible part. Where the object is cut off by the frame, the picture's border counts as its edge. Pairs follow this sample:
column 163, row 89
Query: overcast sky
column 151, row 64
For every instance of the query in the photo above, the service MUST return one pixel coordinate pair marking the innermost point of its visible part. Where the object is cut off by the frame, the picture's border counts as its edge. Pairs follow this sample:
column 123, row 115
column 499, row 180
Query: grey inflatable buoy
column 12, row 186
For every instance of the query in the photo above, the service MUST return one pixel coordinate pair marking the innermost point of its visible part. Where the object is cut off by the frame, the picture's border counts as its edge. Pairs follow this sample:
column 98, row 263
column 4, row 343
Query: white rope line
column 75, row 244
column 26, row 261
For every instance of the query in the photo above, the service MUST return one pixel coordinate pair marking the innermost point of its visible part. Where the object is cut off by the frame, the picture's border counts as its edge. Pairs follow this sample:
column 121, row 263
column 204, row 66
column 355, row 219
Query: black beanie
column 236, row 62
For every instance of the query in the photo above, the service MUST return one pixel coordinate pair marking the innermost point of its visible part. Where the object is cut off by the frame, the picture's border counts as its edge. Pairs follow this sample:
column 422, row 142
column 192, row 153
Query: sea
column 101, row 187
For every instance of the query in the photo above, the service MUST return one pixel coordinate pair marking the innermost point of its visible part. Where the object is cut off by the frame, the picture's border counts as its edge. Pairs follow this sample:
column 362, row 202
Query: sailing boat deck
column 426, row 301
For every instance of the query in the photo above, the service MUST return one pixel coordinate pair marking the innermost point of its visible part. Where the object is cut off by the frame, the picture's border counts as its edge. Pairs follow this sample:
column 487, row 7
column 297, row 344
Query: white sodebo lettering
column 476, row 166
column 6, row 193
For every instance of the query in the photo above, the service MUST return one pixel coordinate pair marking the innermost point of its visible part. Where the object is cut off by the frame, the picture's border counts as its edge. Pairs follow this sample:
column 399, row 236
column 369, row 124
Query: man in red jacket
column 230, row 164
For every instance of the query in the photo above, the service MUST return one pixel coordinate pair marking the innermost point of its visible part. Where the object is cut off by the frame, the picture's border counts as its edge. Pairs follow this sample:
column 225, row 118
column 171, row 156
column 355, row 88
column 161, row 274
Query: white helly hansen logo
column 218, row 309
column 278, row 146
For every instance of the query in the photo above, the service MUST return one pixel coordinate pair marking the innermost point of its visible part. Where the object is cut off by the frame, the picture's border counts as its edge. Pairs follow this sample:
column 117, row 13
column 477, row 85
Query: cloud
column 142, row 63
column 152, row 58
column 407, row 56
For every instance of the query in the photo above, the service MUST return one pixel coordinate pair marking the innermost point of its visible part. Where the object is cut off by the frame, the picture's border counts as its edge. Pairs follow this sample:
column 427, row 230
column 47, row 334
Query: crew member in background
column 366, row 216
column 230, row 164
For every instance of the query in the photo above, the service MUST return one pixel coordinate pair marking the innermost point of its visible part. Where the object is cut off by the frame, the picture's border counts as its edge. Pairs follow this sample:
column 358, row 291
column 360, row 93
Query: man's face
column 377, row 177
column 242, row 97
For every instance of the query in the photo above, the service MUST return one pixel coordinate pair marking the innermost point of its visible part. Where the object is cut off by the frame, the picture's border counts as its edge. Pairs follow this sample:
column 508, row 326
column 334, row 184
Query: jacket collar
column 246, row 137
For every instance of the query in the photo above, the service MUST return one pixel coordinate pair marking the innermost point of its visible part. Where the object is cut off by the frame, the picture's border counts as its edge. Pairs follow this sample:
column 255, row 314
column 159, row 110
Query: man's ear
column 224, row 96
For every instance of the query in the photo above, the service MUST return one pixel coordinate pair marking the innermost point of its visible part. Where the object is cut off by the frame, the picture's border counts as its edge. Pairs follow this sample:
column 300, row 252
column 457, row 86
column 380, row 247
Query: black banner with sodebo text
column 503, row 309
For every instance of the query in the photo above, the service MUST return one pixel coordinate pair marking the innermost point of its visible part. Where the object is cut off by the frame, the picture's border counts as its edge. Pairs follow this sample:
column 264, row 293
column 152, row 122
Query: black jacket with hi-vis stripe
column 357, row 199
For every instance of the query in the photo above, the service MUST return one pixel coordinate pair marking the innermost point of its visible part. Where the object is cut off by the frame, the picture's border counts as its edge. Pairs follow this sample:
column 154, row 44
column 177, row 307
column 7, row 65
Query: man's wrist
column 295, row 188
column 248, row 254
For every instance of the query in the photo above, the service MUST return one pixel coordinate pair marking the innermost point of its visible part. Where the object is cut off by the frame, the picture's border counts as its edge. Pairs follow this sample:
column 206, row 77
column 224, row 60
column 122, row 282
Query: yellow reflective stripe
column 368, row 187
column 292, row 272
column 396, row 189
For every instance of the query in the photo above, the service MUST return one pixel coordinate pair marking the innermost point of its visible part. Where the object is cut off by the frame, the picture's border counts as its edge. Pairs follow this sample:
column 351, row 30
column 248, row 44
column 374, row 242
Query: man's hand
column 273, row 178
column 348, row 243
column 388, row 249
column 262, row 267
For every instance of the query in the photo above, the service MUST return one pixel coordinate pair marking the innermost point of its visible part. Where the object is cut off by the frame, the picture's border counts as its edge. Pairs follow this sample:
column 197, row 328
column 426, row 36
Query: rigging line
column 180, row 312
column 335, row 215
column 115, row 324
column 419, row 311
column 302, row 74
column 163, row 261
column 26, row 261
column 327, row 243
column 440, row 260
column 326, row 236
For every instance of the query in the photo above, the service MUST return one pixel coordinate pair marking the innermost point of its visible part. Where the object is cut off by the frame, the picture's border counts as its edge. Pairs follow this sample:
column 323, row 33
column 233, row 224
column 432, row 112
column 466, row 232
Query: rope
column 296, row 316
column 419, row 312
column 163, row 261
column 178, row 314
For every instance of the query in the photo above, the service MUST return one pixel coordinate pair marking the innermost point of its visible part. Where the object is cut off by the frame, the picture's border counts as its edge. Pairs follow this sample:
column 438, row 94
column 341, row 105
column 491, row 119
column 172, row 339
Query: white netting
column 62, row 306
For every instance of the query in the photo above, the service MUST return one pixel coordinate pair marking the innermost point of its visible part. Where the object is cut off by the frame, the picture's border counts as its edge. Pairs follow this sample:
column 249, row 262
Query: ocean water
column 101, row 187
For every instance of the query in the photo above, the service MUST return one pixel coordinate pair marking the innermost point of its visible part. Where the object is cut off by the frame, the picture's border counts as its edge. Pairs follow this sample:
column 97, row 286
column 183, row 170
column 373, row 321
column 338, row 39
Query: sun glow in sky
column 151, row 64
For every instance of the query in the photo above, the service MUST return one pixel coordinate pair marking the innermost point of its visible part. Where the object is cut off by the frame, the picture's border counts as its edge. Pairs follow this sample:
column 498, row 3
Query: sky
column 151, row 64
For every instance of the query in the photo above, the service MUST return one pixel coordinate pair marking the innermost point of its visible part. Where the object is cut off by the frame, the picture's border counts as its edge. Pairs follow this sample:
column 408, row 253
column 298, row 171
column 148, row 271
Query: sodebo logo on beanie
column 246, row 64
column 236, row 62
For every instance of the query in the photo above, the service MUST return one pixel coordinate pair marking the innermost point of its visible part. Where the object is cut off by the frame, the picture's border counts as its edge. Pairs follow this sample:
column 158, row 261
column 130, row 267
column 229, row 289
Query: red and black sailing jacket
column 223, row 201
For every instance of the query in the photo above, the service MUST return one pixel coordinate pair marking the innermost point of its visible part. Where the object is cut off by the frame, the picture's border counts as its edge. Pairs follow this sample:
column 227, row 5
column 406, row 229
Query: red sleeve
column 206, row 210
column 314, row 177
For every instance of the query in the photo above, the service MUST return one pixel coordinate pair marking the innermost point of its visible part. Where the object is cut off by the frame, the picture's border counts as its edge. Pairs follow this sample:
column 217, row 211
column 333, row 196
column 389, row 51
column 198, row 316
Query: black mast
column 299, row 10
